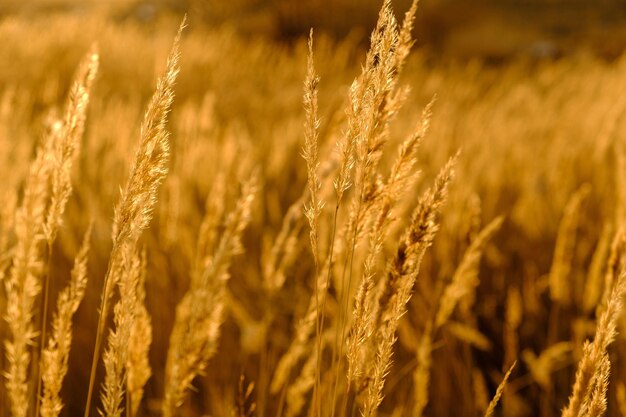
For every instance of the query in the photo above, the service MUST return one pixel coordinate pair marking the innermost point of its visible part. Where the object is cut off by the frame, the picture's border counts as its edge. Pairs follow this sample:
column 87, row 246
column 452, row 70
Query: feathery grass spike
column 54, row 360
column 134, row 210
column 494, row 401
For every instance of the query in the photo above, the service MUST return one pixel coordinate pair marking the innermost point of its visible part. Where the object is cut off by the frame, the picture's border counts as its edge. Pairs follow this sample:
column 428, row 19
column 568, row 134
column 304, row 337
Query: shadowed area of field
column 491, row 29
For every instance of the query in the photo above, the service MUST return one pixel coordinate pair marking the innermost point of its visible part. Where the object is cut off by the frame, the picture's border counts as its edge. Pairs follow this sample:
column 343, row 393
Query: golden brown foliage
column 386, row 273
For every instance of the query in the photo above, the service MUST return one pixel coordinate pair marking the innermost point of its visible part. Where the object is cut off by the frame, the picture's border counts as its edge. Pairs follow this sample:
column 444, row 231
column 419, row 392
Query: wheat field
column 197, row 222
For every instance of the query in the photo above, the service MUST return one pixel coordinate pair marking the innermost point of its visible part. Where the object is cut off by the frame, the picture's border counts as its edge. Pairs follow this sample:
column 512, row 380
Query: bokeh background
column 491, row 29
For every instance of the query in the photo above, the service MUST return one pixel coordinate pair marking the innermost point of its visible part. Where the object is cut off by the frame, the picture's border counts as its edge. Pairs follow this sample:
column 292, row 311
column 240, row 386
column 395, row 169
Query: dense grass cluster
column 258, row 235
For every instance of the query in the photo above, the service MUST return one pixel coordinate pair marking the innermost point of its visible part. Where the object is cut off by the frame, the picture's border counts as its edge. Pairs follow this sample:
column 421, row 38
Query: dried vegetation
column 458, row 256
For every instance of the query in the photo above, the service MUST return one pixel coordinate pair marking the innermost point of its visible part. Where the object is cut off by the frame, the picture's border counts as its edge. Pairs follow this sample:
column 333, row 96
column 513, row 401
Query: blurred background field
column 495, row 29
column 532, row 92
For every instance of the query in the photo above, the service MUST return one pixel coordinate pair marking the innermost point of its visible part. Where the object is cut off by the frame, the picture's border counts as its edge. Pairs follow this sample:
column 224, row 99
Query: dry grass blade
column 23, row 282
column 199, row 315
column 134, row 211
column 65, row 152
column 597, row 403
column 469, row 335
column 364, row 288
column 494, row 401
column 417, row 238
column 67, row 148
column 564, row 250
column 595, row 276
column 54, row 360
column 310, row 152
column 149, row 168
column 405, row 37
column 400, row 178
column 116, row 355
column 542, row 366
column 465, row 279
column 396, row 289
column 590, row 367
column 421, row 375
column 140, row 339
